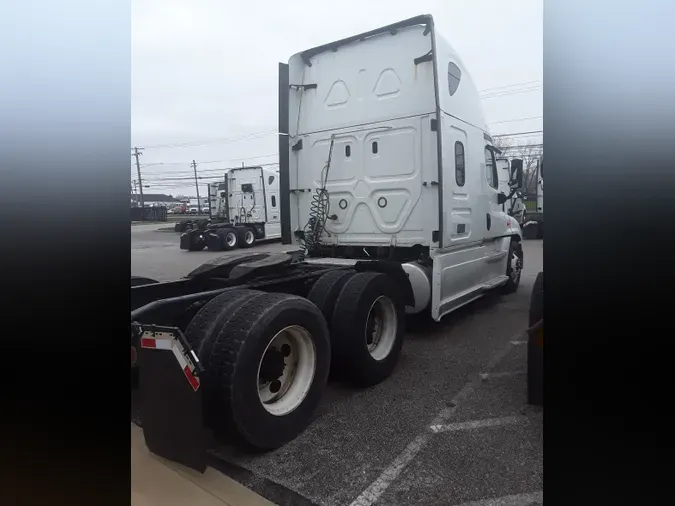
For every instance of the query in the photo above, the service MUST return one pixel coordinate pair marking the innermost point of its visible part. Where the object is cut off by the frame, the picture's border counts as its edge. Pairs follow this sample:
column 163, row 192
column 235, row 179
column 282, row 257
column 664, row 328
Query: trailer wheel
column 140, row 281
column 368, row 328
column 325, row 291
column 535, row 353
column 514, row 267
column 229, row 238
column 267, row 370
column 246, row 237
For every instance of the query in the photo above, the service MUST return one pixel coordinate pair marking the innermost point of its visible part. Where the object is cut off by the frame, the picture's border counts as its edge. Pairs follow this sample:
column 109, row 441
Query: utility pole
column 137, row 153
column 199, row 202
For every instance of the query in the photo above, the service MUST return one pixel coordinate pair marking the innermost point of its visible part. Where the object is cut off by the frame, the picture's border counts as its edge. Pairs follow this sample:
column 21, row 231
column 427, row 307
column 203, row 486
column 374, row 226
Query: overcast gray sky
column 204, row 73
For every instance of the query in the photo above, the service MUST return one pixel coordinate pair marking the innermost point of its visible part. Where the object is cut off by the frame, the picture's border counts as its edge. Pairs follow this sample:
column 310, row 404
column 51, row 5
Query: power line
column 219, row 140
column 207, row 171
column 211, row 161
column 190, row 178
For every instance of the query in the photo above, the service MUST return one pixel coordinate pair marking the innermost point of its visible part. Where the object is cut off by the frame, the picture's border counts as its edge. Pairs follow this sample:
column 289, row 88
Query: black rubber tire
column 179, row 227
column 213, row 241
column 197, row 241
column 531, row 231
column 231, row 394
column 351, row 358
column 241, row 233
column 140, row 281
column 535, row 354
column 515, row 248
column 212, row 316
column 224, row 233
column 326, row 290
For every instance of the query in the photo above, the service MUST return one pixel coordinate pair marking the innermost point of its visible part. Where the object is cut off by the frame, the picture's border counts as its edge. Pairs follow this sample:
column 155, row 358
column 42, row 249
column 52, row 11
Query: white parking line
column 371, row 494
column 495, row 375
column 531, row 499
column 479, row 424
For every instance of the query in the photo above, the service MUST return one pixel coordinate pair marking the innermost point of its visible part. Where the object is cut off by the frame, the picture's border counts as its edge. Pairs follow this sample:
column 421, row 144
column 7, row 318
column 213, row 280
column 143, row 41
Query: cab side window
column 460, row 167
column 491, row 168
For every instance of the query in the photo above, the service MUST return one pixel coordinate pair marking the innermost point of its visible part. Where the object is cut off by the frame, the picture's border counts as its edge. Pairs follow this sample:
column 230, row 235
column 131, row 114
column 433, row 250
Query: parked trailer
column 389, row 194
column 244, row 209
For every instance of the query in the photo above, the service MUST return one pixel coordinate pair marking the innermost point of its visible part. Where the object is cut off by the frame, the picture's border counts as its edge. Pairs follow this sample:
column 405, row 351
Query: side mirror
column 516, row 173
column 501, row 198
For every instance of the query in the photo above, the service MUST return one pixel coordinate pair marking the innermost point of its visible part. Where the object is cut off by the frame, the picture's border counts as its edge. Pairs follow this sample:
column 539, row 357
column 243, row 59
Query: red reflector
column 194, row 382
column 508, row 223
column 148, row 343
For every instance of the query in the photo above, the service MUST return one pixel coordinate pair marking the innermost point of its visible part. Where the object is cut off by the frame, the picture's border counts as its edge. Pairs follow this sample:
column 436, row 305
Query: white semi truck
column 390, row 204
column 244, row 209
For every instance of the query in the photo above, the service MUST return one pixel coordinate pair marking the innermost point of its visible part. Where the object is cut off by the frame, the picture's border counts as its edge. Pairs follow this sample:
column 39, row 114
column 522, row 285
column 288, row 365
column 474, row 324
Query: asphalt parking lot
column 450, row 427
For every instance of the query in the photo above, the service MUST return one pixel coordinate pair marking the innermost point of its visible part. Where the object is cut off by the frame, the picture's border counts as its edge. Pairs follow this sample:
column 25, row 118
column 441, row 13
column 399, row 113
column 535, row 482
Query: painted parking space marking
column 497, row 375
column 479, row 424
column 375, row 490
column 530, row 499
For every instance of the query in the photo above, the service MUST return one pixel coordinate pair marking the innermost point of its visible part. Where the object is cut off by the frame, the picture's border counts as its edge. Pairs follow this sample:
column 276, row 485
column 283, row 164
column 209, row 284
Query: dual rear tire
column 229, row 239
column 267, row 356
column 366, row 316
column 218, row 239
column 246, row 237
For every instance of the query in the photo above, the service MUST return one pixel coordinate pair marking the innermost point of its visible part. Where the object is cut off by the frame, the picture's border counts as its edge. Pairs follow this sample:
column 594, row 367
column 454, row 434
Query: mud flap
column 171, row 409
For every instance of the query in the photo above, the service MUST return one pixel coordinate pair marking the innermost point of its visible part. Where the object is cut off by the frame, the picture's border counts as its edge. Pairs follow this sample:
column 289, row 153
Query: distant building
column 154, row 199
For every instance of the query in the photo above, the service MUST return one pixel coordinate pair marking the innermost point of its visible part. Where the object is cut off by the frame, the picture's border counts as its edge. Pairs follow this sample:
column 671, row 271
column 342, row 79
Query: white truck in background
column 514, row 205
column 244, row 209
column 389, row 191
column 533, row 228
